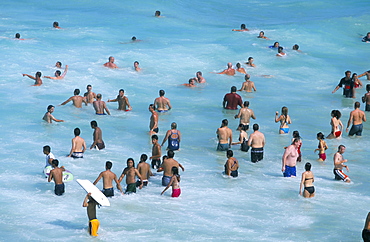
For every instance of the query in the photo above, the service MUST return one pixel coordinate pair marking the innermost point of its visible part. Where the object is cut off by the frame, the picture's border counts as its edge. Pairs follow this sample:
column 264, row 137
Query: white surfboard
column 95, row 192
column 67, row 175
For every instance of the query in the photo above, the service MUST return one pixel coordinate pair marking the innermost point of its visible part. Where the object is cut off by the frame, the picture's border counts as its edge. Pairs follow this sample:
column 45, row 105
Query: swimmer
column 56, row 174
column 289, row 159
column 58, row 64
column 339, row 164
column 130, row 172
column 108, row 178
column 275, row 46
column 321, row 147
column 296, row 47
column 78, row 145
column 174, row 182
column 229, row 71
column 240, row 69
column 250, row 62
column 97, row 136
column 76, row 99
column 284, row 119
column 144, row 170
column 245, row 114
column 231, row 165
column 243, row 138
column 190, row 84
column 110, row 63
column 123, row 103
column 94, row 223
column 153, row 125
column 366, row 98
column 161, row 103
column 56, row 25
column 199, row 77
column 224, row 136
column 158, row 14
column 89, row 95
column 167, row 165
column 136, row 66
column 366, row 38
column 156, row 152
column 232, row 100
column 48, row 117
column 356, row 117
column 336, row 125
column 261, row 35
column 248, row 85
column 242, row 28
column 280, row 52
column 18, row 37
column 256, row 141
column 37, row 78
column 306, row 182
column 100, row 106
column 174, row 137
column 58, row 75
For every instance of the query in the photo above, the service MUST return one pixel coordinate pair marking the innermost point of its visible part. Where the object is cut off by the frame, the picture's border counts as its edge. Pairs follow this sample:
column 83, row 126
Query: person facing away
column 123, row 103
column 229, row 71
column 56, row 174
column 90, row 204
column 144, row 170
column 248, row 85
column 232, row 100
column 174, row 182
column 224, row 136
column 356, row 117
column 161, row 103
column 231, row 165
column 98, row 142
column 174, row 137
column 243, row 138
column 77, row 100
column 366, row 230
column 242, row 28
column 245, row 114
column 78, row 145
column 56, row 25
column 307, row 182
column 108, row 178
column 48, row 117
column 100, row 106
column 336, row 125
column 322, row 147
column 240, row 69
column 366, row 98
column 284, row 120
column 256, row 141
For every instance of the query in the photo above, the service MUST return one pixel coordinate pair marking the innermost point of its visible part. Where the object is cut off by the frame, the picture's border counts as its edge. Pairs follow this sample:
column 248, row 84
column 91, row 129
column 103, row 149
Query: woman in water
column 321, row 147
column 335, row 123
column 284, row 120
column 307, row 180
column 243, row 139
column 174, row 182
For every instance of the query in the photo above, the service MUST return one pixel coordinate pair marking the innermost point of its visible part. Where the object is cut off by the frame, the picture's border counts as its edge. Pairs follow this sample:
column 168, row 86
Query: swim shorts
column 234, row 173
column 77, row 155
column 256, row 154
column 322, row 156
column 100, row 145
column 100, row 113
column 356, row 130
column 109, row 192
column 166, row 180
column 367, row 107
column 162, row 111
column 285, row 130
column 131, row 188
column 93, row 227
column 223, row 147
column 310, row 190
column 156, row 163
column 245, row 127
column 289, row 171
column 144, row 182
column 176, row 192
column 339, row 175
column 156, row 130
column 366, row 235
column 59, row 189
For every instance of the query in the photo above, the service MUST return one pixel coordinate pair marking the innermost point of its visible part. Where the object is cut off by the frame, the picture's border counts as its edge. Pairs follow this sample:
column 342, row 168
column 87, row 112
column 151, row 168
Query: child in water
column 321, row 147
column 175, row 183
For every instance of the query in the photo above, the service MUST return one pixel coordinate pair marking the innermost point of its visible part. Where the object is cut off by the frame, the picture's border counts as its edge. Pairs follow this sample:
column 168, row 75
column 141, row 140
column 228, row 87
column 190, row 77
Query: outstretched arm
column 32, row 77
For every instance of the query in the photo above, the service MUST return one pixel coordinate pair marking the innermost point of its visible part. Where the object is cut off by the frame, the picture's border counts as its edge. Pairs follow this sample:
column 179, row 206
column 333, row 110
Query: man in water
column 366, row 98
column 348, row 85
column 57, row 174
column 261, row 35
column 144, row 170
column 156, row 152
column 100, row 106
column 37, row 78
column 248, row 85
column 89, row 95
column 190, row 84
column 229, row 71
column 76, row 99
column 289, row 159
column 130, row 172
column 245, row 114
column 49, row 156
column 48, row 117
column 174, row 136
column 366, row 38
column 232, row 100
column 110, row 63
column 58, row 64
column 108, row 178
column 56, row 25
column 123, row 103
column 153, row 125
column 199, row 77
column 242, row 28
column 97, row 136
column 78, row 145
column 366, row 73
column 257, row 142
column 166, row 167
column 224, row 136
column 157, row 14
column 161, row 103
column 356, row 117
column 94, row 223
column 280, row 52
column 338, row 165
column 250, row 62
column 58, row 75
column 366, row 230
column 231, row 165
column 240, row 69
column 136, row 66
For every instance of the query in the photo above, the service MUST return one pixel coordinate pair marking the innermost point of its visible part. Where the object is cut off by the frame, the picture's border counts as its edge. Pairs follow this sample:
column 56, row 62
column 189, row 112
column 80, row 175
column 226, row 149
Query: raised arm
column 65, row 71
column 29, row 76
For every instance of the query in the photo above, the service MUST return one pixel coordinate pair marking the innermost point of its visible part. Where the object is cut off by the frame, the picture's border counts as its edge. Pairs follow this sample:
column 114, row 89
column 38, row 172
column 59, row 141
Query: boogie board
column 98, row 196
column 67, row 175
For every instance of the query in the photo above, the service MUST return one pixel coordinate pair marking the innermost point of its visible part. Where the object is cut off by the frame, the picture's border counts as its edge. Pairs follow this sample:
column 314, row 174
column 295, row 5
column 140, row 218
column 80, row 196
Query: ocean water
column 260, row 205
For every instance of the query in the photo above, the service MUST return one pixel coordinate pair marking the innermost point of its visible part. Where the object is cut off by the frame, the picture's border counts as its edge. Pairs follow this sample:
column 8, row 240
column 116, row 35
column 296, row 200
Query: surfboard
column 98, row 196
column 67, row 175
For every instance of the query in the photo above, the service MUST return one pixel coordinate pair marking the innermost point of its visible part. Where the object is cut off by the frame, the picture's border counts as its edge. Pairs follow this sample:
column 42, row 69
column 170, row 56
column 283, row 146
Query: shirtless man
column 97, row 136
column 153, row 126
column 200, row 78
column 108, row 178
column 56, row 25
column 338, row 165
column 289, row 159
column 232, row 99
column 37, row 78
column 174, row 136
column 240, row 69
column 250, row 62
column 57, row 174
column 89, row 95
column 76, row 99
column 144, row 170
column 280, row 52
column 161, row 103
column 58, row 75
column 248, row 85
column 136, row 66
column 261, row 35
column 224, row 136
column 130, row 172
column 245, row 114
column 166, row 167
column 190, row 84
column 366, row 73
column 257, row 142
column 48, row 117
column 242, row 28
column 123, row 103
column 366, row 98
column 94, row 223
column 356, row 117
column 229, row 71
column 110, row 63
column 100, row 106
column 156, row 152
column 78, row 145
column 58, row 64
column 231, row 165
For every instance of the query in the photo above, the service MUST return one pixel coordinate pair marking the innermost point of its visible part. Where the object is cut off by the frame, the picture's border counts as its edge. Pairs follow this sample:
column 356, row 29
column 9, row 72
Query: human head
column 284, row 111
column 341, row 149
column 133, row 38
column 98, row 96
column 108, row 165
column 154, row 138
column 337, row 114
column 55, row 163
column 229, row 153
column 143, row 157
column 225, row 122
column 229, row 65
column 46, row 149
column 247, row 77
column 280, row 49
column 50, row 107
column 191, row 81
column 17, row 35
column 233, row 89
column 164, row 158
column 77, row 131
column 357, row 105
column 94, row 124
column 136, row 64
column 368, row 87
column 246, row 104
column 307, row 166
column 38, row 74
column 121, row 91
column 348, row 73
column 58, row 64
column 130, row 162
column 157, row 13
column 295, row 47
column 151, row 107
column 296, row 134
column 88, row 87
column 242, row 26
column 320, row 135
column 111, row 59
column 261, row 33
column 238, row 65
column 276, row 44
column 255, row 127
column 368, row 34
column 199, row 73
column 173, row 125
column 175, row 170
column 58, row 73
column 161, row 93
column 354, row 75
column 250, row 59
column 77, row 91
column 55, row 24
column 170, row 154
column 295, row 141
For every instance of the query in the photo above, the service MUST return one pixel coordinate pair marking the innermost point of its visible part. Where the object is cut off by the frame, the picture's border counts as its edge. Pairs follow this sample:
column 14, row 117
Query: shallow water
column 260, row 204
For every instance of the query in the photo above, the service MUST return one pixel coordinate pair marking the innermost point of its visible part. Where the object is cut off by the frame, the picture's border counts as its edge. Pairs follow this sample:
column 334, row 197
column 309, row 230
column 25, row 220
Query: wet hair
column 46, row 148
column 295, row 47
column 199, row 72
column 280, row 49
column 55, row 24
column 108, row 165
column 337, row 114
column 164, row 157
column 175, row 171
column 77, row 91
column 233, row 89
column 242, row 26
column 151, row 106
column 133, row 38
column 55, row 162
column 255, row 127
column 60, row 63
column 136, row 62
column 246, row 103
column 49, row 107
column 320, row 135
column 357, row 104
column 238, row 65
column 284, row 111
column 94, row 123
column 173, row 125
column 307, row 166
column 262, row 32
column 88, row 86
column 347, row 72
column 77, row 131
column 58, row 72
column 296, row 134
column 38, row 74
column 154, row 136
column 340, row 147
column 276, row 43
column 121, row 90
column 161, row 93
column 170, row 153
column 143, row 157
column 368, row 87
column 157, row 13
column 133, row 162
column 17, row 35
column 190, row 80
column 225, row 122
column 229, row 153
column 247, row 76
column 250, row 58
column 98, row 96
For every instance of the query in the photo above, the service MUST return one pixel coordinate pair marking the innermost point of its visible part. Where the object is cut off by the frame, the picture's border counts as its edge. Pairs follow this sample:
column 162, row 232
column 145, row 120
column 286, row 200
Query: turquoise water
column 193, row 36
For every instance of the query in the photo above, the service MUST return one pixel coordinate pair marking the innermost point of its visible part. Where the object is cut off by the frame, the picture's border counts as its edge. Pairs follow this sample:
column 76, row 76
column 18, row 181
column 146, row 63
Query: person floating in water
column 77, row 100
column 231, row 165
column 240, row 69
column 158, row 14
column 261, row 35
column 37, row 78
column 136, row 66
column 190, row 84
column 242, row 28
column 56, row 25
column 296, row 47
column 338, row 164
column 94, row 223
column 58, row 75
column 306, row 182
column 275, row 46
column 280, row 52
column 110, row 63
column 48, row 117
column 174, row 182
column 250, row 62
column 97, row 137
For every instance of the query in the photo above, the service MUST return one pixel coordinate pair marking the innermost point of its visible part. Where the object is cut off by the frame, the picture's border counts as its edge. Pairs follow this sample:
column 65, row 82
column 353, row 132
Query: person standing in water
column 356, row 117
column 108, row 178
column 48, row 117
column 306, row 182
column 123, row 103
column 78, row 145
column 229, row 71
column 130, row 172
column 256, row 141
column 144, row 170
column 243, row 139
column 174, row 182
column 37, row 78
column 245, row 114
column 321, row 147
column 289, row 159
column 224, row 136
column 58, row 75
column 231, row 165
column 153, row 125
column 174, row 137
column 77, row 100
column 94, row 223
column 97, row 137
column 248, row 85
column 161, row 103
column 336, row 125
column 339, row 164
column 366, row 98
column 100, row 106
column 89, row 95
column 57, row 174
column 284, row 120
column 110, row 63
column 242, row 28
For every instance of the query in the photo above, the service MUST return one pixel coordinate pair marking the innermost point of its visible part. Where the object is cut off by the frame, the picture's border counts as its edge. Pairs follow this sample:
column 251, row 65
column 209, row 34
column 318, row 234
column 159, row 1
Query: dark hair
column 164, row 157
column 250, row 58
column 175, row 171
column 368, row 87
column 233, row 89
column 170, row 153
column 94, row 123
column 154, row 136
column 242, row 26
column 55, row 162
column 255, row 127
column 58, row 72
column 133, row 162
column 284, row 111
column 77, row 131
column 136, row 62
column 17, row 35
column 38, row 74
column 295, row 140
column 246, row 103
column 157, row 13
column 98, row 96
column 55, row 24
column 307, row 166
column 295, row 47
column 229, row 153
column 347, row 72
column 357, row 104
column 280, row 49
column 320, row 135
column 47, row 148
column 108, row 165
column 121, row 90
column 341, row 146
column 151, row 106
column 161, row 93
column 60, row 63
column 133, row 38
column 143, row 157
column 225, row 122
column 173, row 125
column 238, row 65
column 200, row 73
column 49, row 107
column 77, row 91
column 296, row 134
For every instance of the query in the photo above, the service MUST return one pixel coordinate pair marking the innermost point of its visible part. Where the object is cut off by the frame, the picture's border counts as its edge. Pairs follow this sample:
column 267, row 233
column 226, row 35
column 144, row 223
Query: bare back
column 256, row 139
column 224, row 135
